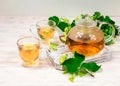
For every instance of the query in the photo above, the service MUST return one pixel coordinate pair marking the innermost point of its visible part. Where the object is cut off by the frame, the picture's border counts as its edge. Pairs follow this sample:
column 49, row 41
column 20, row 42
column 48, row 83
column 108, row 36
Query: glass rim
column 47, row 22
column 28, row 37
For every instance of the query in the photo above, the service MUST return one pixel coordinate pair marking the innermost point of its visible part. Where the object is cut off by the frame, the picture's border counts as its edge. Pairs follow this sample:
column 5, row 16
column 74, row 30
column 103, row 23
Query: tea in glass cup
column 45, row 31
column 29, row 48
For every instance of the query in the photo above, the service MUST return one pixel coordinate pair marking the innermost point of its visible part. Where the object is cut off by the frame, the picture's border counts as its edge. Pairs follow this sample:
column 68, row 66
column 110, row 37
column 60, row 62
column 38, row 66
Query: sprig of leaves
column 62, row 23
column 76, row 66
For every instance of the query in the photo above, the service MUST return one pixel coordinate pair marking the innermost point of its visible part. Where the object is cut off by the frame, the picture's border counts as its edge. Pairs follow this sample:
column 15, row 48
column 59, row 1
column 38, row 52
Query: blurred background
column 58, row 7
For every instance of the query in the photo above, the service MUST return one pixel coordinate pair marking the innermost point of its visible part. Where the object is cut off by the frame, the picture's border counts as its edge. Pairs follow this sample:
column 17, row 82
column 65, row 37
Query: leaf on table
column 71, row 65
column 90, row 66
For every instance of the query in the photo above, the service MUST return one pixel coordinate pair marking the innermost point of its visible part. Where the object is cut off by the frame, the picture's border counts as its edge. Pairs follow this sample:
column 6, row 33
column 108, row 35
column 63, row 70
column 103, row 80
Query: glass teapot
column 86, row 38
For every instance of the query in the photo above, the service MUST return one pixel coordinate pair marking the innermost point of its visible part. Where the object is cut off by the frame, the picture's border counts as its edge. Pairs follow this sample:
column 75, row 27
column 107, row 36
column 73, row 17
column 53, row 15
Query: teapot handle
column 111, row 37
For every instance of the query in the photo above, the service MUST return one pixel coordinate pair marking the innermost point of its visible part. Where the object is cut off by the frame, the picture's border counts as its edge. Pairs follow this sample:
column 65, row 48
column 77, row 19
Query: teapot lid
column 86, row 22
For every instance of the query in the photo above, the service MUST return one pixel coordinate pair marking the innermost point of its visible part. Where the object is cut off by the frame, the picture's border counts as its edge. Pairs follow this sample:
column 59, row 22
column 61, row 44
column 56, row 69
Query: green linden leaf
column 73, row 23
column 96, row 15
column 62, row 58
column 63, row 25
column 54, row 18
column 64, row 20
column 90, row 66
column 53, row 46
column 116, row 30
column 71, row 65
column 107, row 19
column 101, row 18
column 79, row 56
column 107, row 29
column 110, row 31
column 67, row 29
column 71, row 78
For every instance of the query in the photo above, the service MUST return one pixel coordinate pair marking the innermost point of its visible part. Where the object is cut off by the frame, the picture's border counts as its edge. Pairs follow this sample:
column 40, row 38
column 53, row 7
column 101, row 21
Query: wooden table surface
column 12, row 73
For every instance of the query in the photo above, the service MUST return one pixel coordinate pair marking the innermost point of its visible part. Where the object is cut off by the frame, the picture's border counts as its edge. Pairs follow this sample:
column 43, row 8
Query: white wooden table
column 12, row 73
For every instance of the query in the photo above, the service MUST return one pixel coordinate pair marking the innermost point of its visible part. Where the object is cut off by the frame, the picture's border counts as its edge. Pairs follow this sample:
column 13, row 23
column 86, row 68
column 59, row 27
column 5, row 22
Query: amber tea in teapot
column 85, row 38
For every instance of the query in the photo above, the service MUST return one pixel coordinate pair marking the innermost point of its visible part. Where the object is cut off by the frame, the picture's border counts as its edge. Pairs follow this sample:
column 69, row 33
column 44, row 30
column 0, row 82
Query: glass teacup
column 29, row 48
column 45, row 31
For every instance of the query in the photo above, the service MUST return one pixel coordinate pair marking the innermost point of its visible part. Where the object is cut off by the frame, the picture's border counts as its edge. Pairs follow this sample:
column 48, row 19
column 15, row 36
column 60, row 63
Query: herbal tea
column 29, row 53
column 88, row 42
column 46, row 33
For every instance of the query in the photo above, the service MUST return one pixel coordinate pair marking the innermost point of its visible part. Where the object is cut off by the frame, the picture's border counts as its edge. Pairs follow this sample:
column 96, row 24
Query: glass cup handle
column 33, row 30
